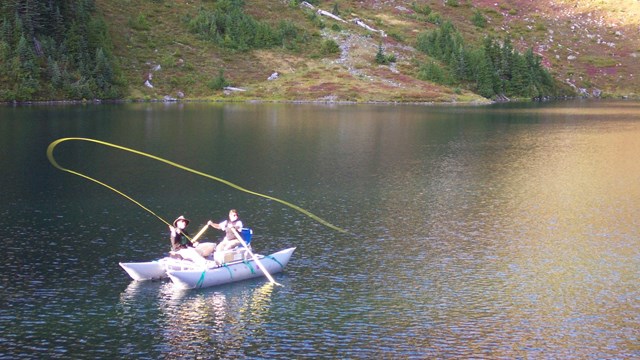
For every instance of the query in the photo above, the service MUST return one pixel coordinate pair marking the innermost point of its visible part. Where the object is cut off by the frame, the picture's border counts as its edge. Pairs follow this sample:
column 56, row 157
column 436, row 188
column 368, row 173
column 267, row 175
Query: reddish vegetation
column 576, row 29
column 595, row 71
column 582, row 42
column 324, row 88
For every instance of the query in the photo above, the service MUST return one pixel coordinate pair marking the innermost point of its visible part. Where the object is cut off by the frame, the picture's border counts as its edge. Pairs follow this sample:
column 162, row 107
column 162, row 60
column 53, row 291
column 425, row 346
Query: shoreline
column 327, row 102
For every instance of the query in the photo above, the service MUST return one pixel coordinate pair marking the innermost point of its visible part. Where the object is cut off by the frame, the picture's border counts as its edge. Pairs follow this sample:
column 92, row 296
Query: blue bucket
column 246, row 234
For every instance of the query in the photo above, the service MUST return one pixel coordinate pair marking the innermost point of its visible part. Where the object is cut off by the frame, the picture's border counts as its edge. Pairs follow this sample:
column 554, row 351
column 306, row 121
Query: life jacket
column 229, row 233
column 180, row 241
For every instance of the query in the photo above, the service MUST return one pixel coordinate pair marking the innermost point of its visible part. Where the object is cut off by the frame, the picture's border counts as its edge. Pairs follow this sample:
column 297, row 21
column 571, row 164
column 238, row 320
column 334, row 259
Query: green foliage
column 421, row 9
column 380, row 57
column 383, row 59
column 335, row 11
column 442, row 43
column 478, row 19
column 434, row 73
column 495, row 69
column 139, row 22
column 230, row 27
column 329, row 47
column 434, row 18
column 218, row 82
column 290, row 35
column 54, row 49
column 452, row 3
column 293, row 4
column 315, row 19
column 484, row 79
column 396, row 36
column 102, row 72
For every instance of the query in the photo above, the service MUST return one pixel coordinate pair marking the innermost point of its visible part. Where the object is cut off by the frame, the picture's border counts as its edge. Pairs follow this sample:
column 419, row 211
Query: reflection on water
column 209, row 323
column 508, row 231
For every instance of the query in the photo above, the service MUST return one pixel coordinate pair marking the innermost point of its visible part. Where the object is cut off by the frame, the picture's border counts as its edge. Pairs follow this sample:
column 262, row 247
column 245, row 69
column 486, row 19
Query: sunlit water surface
column 507, row 231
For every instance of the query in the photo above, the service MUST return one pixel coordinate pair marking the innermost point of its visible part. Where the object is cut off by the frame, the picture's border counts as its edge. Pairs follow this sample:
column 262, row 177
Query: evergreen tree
column 5, row 30
column 5, row 58
column 49, row 49
column 461, row 69
column 219, row 82
column 27, row 58
column 485, row 75
column 494, row 69
column 54, row 72
column 18, row 30
column 519, row 79
column 335, row 11
column 30, row 14
column 533, row 72
column 506, row 59
column 102, row 73
column 228, row 26
column 57, row 25
column 425, row 42
column 434, row 73
column 478, row 19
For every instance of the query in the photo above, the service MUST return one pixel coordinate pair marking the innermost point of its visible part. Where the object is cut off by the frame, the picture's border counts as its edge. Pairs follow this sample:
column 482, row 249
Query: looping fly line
column 53, row 161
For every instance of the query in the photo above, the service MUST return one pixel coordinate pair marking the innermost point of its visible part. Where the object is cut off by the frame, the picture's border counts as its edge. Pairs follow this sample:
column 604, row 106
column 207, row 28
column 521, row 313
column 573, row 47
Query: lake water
column 504, row 231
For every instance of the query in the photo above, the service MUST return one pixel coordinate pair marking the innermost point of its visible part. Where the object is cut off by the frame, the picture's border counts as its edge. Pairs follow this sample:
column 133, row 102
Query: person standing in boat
column 230, row 241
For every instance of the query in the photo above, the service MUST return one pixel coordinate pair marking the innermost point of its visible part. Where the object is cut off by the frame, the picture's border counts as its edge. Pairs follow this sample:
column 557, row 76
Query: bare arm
column 214, row 225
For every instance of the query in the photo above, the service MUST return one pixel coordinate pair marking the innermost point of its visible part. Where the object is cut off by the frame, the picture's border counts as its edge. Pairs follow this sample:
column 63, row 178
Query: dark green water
column 508, row 231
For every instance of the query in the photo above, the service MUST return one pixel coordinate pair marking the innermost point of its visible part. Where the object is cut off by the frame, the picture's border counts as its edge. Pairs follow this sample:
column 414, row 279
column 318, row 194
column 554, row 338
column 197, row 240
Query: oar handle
column 195, row 238
column 255, row 258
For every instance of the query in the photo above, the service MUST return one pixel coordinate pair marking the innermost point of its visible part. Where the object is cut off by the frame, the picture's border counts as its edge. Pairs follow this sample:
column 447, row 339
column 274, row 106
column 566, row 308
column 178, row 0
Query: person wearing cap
column 196, row 252
column 230, row 241
column 179, row 237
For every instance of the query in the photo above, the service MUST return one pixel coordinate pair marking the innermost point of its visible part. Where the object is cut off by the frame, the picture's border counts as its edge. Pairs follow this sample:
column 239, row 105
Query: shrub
column 434, row 18
column 478, row 19
column 452, row 3
column 382, row 58
column 329, row 47
column 421, row 9
column 139, row 23
column 219, row 82
column 434, row 73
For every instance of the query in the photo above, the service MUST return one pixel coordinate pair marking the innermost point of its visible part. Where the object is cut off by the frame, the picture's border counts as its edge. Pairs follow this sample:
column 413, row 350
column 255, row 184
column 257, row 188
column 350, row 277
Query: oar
column 255, row 258
column 195, row 238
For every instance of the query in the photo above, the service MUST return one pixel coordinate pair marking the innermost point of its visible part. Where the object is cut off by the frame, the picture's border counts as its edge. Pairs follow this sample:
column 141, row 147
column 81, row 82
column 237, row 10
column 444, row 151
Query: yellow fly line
column 53, row 161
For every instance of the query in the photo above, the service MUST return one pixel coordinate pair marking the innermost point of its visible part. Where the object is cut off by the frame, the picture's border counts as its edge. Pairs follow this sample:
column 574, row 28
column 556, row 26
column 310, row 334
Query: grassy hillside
column 591, row 45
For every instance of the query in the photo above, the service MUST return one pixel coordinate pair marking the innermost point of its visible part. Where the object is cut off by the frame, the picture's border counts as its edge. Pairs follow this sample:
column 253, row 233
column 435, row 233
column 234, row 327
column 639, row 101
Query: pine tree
column 102, row 73
column 335, row 10
column 519, row 79
column 461, row 65
column 534, row 67
column 506, row 59
column 26, row 55
column 478, row 19
column 5, row 58
column 5, row 30
column 57, row 25
column 54, row 72
column 484, row 75
column 380, row 58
